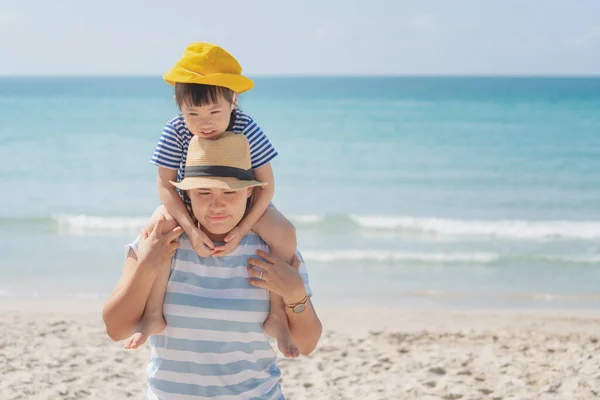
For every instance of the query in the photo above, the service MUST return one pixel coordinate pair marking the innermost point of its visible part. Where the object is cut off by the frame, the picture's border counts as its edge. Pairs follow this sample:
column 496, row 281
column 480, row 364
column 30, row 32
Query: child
column 207, row 82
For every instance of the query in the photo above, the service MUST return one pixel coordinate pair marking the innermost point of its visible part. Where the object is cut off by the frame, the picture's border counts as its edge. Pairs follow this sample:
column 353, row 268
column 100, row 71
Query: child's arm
column 267, row 221
column 176, row 207
column 262, row 197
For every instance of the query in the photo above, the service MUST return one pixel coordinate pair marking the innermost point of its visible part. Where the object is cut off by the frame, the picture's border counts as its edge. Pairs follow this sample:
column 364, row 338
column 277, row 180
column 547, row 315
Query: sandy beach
column 364, row 354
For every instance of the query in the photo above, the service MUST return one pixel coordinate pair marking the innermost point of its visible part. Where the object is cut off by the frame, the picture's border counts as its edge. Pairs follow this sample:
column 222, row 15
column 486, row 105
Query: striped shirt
column 172, row 147
column 214, row 346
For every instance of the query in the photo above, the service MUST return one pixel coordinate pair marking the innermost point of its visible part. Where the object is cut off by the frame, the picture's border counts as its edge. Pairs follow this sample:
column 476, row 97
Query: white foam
column 442, row 227
column 549, row 297
column 518, row 229
column 330, row 256
column 86, row 222
column 381, row 256
column 306, row 219
column 570, row 259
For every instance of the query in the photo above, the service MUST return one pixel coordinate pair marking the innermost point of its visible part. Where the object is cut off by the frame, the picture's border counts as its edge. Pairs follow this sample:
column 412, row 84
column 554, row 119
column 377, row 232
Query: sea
column 477, row 192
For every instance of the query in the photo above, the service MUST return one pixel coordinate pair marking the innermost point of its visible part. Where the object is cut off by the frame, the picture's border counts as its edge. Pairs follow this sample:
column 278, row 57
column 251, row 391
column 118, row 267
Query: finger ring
column 261, row 274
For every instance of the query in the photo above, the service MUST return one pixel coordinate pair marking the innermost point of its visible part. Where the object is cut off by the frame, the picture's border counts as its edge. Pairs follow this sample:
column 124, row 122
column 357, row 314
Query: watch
column 299, row 306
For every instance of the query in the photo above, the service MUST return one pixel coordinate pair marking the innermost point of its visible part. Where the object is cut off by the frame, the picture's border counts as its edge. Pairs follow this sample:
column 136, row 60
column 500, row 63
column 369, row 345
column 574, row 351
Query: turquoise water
column 472, row 191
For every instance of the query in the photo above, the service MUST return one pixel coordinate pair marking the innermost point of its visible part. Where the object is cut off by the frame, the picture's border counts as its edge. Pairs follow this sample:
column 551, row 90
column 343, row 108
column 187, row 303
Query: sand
column 364, row 354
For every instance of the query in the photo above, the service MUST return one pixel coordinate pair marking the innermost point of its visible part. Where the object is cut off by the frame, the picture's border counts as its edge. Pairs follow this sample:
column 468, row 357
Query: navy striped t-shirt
column 171, row 150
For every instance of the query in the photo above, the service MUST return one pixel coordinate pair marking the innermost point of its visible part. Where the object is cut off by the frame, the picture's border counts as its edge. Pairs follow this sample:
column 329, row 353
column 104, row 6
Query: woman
column 214, row 307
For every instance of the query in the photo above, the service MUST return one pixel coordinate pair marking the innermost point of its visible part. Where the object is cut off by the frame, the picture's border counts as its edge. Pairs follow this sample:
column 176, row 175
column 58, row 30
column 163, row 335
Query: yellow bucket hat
column 208, row 64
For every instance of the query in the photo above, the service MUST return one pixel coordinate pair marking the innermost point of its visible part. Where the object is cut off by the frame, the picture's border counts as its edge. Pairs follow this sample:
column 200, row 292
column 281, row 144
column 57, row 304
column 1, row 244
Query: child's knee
column 170, row 222
column 161, row 210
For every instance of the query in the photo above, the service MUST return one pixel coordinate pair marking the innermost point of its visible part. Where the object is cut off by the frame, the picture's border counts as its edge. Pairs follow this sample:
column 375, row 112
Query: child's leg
column 280, row 235
column 153, row 321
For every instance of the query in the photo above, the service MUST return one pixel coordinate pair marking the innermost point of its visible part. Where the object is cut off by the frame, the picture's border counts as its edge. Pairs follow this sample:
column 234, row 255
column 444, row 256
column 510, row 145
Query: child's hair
column 198, row 95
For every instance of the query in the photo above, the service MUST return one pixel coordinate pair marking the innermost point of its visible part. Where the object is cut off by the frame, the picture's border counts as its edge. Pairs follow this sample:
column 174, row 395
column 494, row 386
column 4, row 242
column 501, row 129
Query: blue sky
column 509, row 37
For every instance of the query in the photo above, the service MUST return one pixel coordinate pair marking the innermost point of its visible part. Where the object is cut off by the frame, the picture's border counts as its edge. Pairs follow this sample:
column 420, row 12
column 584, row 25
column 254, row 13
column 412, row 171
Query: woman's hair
column 188, row 204
column 198, row 95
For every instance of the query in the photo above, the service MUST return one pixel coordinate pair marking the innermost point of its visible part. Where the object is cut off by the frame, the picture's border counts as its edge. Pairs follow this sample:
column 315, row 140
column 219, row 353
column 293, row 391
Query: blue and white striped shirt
column 214, row 345
column 172, row 147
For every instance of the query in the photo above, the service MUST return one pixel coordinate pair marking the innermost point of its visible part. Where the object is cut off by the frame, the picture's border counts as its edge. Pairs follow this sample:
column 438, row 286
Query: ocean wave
column 51, row 294
column 384, row 256
column 391, row 224
column 504, row 297
column 91, row 223
column 391, row 256
column 512, row 229
column 550, row 297
column 508, row 296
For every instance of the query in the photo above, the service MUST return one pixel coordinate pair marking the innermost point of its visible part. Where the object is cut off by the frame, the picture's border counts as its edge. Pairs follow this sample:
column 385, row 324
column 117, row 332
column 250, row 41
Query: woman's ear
column 250, row 191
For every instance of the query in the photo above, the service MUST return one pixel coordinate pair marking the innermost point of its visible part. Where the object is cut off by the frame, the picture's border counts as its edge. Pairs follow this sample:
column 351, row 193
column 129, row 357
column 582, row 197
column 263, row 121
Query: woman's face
column 218, row 210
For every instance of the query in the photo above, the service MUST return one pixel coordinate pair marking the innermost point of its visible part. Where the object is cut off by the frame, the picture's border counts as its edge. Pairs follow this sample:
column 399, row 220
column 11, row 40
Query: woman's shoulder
column 252, row 239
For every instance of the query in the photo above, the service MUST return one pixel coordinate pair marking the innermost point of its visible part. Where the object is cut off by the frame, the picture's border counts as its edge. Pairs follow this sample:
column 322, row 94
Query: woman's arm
column 305, row 327
column 125, row 307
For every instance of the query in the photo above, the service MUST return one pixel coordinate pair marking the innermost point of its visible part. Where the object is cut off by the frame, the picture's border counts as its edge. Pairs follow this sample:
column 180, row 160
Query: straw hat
column 222, row 163
column 208, row 64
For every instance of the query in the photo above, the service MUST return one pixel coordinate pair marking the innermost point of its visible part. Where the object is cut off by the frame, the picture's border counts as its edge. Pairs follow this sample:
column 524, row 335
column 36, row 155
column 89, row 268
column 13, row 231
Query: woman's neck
column 215, row 237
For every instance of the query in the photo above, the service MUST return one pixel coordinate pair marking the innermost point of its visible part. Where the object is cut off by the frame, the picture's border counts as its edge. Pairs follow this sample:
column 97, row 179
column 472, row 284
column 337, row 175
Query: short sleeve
column 261, row 149
column 132, row 246
column 169, row 150
column 304, row 274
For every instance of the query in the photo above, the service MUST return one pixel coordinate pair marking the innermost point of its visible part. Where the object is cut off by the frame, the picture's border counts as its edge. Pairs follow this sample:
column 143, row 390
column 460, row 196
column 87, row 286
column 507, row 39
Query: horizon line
column 474, row 75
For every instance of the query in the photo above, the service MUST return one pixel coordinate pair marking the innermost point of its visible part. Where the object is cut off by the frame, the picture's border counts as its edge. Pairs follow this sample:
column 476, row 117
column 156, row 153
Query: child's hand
column 232, row 240
column 201, row 243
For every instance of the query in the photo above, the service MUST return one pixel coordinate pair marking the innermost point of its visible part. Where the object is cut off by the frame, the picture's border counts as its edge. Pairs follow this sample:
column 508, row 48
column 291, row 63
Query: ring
column 261, row 274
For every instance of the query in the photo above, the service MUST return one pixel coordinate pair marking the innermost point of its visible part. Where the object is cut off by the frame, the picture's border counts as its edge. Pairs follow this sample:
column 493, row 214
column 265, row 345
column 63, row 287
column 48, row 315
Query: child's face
column 208, row 121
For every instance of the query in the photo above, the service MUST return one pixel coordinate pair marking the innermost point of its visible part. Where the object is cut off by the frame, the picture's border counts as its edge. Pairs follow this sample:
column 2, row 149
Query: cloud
column 589, row 38
column 9, row 19
column 329, row 33
column 426, row 22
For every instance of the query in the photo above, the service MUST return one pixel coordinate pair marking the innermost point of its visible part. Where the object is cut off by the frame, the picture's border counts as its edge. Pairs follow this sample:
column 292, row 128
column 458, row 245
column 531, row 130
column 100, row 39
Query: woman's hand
column 157, row 248
column 277, row 276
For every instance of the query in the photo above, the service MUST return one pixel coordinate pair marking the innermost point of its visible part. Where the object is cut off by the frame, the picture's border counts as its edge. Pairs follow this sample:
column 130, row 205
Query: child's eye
column 215, row 112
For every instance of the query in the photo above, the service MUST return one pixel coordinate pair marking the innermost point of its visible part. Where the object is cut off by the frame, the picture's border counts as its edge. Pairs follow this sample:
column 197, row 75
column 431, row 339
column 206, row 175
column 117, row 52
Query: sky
column 312, row 37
